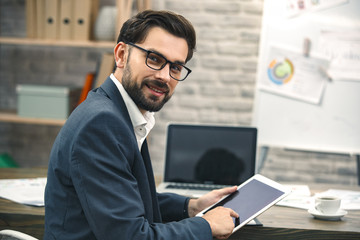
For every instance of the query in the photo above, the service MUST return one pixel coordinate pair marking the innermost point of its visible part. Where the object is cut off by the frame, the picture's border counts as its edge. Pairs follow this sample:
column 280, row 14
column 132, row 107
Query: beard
column 134, row 89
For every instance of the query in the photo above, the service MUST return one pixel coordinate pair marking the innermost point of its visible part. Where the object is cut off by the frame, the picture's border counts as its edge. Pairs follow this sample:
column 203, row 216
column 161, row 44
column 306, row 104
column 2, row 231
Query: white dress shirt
column 142, row 123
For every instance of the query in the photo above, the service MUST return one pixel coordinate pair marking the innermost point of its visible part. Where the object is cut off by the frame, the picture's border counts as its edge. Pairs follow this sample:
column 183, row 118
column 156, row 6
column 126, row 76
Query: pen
column 324, row 72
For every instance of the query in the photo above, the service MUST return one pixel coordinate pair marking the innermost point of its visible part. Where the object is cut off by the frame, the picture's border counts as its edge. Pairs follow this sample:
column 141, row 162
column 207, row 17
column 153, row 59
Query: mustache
column 157, row 83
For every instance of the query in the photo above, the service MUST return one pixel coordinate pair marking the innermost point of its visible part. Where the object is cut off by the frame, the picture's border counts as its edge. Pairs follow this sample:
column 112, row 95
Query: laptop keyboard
column 206, row 187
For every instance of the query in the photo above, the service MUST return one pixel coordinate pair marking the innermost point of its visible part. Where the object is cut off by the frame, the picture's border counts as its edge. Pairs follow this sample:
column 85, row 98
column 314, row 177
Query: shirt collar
column 142, row 124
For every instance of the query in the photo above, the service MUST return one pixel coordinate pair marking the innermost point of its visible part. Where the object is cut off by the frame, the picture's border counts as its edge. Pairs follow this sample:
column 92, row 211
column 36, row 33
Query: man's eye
column 176, row 68
column 155, row 58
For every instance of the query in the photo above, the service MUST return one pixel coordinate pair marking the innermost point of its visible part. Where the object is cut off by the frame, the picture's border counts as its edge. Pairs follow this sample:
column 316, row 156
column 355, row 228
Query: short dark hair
column 136, row 28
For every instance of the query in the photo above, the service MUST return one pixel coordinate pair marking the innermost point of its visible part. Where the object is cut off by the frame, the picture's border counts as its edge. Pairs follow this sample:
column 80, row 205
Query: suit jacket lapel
column 146, row 156
column 113, row 93
column 109, row 88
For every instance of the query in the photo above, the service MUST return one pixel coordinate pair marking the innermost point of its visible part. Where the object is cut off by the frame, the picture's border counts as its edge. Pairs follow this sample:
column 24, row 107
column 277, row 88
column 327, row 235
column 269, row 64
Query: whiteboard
column 332, row 125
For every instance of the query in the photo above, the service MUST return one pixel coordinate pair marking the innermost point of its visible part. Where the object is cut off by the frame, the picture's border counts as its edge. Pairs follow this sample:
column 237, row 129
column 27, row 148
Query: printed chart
column 294, row 75
column 280, row 71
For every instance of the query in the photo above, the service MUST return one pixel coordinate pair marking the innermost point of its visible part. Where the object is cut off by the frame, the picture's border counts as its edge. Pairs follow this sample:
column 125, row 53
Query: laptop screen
column 210, row 154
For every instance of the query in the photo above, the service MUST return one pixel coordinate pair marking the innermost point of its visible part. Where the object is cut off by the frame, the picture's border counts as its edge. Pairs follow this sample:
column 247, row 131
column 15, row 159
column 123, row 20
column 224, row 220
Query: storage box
column 41, row 101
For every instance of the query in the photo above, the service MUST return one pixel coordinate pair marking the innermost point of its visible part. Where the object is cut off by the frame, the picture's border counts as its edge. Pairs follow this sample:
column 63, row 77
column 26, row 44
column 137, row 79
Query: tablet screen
column 249, row 200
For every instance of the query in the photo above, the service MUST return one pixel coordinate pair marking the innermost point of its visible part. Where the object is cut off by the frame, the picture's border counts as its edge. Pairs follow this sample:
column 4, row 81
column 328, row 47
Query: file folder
column 31, row 18
column 106, row 67
column 93, row 16
column 40, row 18
column 52, row 19
column 82, row 19
column 66, row 19
column 143, row 5
column 124, row 8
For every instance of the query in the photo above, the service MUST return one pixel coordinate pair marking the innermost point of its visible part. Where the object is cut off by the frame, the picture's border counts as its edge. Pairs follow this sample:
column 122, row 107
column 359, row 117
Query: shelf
column 14, row 118
column 59, row 43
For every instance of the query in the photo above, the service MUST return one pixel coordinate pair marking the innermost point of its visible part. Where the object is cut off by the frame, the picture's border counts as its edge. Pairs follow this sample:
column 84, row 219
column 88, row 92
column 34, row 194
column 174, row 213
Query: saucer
column 331, row 217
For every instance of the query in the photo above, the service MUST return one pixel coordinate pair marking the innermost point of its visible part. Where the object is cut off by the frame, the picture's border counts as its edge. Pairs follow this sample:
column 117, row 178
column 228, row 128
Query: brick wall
column 219, row 91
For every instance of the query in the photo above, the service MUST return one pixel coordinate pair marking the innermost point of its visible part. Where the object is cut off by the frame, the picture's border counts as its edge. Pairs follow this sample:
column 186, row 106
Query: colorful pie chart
column 280, row 71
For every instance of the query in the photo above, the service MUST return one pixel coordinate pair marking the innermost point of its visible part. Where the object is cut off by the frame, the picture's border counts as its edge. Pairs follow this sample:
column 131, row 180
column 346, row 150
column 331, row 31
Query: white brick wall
column 220, row 90
column 286, row 165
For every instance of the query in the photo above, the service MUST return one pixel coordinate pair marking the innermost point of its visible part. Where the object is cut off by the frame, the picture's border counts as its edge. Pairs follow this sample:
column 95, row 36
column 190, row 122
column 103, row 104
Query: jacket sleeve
column 101, row 170
column 173, row 207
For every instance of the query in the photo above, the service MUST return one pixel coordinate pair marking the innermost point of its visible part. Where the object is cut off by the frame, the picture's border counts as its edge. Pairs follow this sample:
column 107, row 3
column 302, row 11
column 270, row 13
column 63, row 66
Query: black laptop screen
column 210, row 154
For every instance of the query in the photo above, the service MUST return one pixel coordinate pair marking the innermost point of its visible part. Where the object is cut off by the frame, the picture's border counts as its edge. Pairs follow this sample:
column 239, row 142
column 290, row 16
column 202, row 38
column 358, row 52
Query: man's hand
column 221, row 222
column 197, row 205
column 220, row 218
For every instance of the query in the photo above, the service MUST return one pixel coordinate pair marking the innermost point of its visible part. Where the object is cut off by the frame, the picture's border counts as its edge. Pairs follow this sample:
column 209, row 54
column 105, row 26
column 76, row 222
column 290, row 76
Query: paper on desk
column 28, row 191
column 300, row 197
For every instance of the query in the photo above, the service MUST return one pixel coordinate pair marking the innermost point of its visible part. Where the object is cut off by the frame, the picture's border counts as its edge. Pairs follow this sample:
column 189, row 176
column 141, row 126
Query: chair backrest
column 14, row 235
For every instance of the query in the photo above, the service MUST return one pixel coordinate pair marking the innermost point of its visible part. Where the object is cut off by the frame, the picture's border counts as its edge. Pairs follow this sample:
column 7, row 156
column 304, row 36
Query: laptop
column 201, row 158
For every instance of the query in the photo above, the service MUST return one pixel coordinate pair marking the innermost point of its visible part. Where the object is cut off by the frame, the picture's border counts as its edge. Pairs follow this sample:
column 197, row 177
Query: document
column 342, row 46
column 300, row 197
column 25, row 191
column 291, row 74
column 298, row 7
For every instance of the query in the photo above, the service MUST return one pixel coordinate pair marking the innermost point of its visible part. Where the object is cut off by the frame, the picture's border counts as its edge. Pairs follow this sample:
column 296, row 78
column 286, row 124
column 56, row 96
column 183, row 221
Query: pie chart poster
column 291, row 74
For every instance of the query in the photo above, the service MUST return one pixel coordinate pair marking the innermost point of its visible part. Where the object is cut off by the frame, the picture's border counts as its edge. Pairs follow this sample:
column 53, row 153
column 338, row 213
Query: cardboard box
column 41, row 101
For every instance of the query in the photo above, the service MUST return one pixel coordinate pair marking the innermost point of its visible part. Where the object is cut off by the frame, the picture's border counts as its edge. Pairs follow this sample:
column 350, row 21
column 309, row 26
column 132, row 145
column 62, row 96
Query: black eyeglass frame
column 166, row 61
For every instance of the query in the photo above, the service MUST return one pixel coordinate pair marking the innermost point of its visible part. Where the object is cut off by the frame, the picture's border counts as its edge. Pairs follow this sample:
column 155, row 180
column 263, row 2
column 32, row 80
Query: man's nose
column 164, row 73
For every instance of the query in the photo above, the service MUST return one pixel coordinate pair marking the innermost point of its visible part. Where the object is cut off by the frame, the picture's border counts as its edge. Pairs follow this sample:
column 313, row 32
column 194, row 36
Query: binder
column 52, row 19
column 143, row 5
column 124, row 8
column 89, row 80
column 93, row 17
column 66, row 19
column 40, row 18
column 82, row 19
column 31, row 18
column 106, row 67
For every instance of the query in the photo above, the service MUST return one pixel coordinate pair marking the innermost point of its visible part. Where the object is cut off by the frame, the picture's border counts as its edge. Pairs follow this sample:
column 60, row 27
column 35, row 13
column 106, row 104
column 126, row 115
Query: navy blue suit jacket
column 100, row 186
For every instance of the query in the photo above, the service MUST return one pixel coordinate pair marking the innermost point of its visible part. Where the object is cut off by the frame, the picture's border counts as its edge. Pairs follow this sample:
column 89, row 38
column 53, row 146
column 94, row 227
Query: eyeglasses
column 157, row 62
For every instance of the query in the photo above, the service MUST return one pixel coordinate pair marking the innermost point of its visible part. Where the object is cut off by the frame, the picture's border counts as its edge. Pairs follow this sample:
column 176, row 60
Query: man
column 100, row 180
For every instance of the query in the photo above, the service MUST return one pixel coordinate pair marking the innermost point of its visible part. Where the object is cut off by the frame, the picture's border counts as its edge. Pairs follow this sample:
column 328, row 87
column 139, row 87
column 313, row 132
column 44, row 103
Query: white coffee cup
column 327, row 204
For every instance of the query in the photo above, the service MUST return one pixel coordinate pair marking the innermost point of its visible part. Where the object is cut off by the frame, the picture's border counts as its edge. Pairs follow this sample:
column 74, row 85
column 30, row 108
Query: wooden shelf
column 60, row 43
column 14, row 118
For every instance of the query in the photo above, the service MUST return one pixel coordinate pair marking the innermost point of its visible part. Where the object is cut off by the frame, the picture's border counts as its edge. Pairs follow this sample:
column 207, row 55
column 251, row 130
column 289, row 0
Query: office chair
column 14, row 235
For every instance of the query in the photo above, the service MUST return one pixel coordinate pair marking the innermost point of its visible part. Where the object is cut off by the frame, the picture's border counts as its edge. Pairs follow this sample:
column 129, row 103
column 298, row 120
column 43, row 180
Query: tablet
column 252, row 198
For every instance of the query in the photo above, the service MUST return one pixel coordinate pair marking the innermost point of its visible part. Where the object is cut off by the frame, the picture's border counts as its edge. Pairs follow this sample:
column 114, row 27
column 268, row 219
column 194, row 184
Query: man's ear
column 120, row 54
